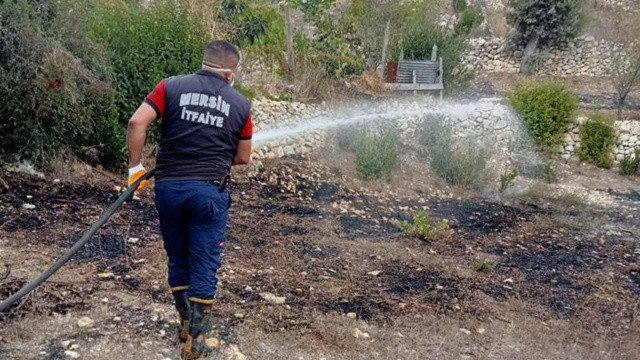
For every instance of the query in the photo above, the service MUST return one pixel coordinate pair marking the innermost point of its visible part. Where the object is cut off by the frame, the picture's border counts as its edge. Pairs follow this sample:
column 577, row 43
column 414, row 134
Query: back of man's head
column 221, row 54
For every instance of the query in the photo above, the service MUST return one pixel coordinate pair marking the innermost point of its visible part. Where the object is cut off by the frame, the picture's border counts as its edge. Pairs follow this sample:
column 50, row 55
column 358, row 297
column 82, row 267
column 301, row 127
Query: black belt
column 222, row 183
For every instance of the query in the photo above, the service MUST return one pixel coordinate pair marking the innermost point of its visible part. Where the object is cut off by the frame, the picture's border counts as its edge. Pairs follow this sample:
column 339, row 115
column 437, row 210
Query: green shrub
column 597, row 139
column 484, row 265
column 547, row 109
column 471, row 18
column 145, row 43
column 51, row 102
column 347, row 137
column 377, row 152
column 546, row 171
column 459, row 5
column 506, row 180
column 457, row 164
column 630, row 164
column 422, row 227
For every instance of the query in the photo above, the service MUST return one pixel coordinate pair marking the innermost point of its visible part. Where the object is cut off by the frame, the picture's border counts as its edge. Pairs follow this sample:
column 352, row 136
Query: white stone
column 85, row 322
column 273, row 299
column 374, row 273
column 72, row 354
column 358, row 334
column 233, row 353
column 28, row 206
column 106, row 275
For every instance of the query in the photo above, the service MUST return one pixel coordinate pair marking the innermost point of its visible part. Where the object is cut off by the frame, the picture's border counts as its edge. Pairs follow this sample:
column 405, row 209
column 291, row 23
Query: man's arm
column 137, row 132
column 243, row 155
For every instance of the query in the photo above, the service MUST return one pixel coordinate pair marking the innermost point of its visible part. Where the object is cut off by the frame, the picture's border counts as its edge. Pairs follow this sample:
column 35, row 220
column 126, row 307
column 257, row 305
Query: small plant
column 457, row 164
column 484, row 265
column 422, row 227
column 547, row 172
column 597, row 140
column 281, row 97
column 377, row 152
column 347, row 137
column 470, row 18
column 547, row 109
column 459, row 5
column 630, row 164
column 506, row 180
column 569, row 200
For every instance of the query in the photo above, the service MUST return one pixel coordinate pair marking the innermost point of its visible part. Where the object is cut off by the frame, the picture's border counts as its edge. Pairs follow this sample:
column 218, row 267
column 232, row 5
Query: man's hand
column 136, row 173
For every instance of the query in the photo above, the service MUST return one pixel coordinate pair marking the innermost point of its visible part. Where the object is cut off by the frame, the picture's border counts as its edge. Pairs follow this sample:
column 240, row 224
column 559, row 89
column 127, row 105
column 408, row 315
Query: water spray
column 374, row 112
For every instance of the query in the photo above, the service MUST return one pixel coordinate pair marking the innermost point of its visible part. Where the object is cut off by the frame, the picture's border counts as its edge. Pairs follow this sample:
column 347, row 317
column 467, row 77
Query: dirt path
column 566, row 282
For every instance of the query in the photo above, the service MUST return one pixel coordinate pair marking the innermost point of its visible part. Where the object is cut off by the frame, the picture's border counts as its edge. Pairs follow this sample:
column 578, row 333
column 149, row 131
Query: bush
column 377, row 153
column 422, row 227
column 347, row 137
column 597, row 139
column 506, row 180
column 459, row 5
column 51, row 102
column 457, row 164
column 546, row 172
column 146, row 43
column 484, row 265
column 630, row 164
column 547, row 109
column 471, row 18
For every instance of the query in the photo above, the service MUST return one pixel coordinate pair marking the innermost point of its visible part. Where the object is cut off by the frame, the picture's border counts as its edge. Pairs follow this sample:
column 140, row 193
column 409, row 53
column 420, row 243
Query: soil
column 317, row 236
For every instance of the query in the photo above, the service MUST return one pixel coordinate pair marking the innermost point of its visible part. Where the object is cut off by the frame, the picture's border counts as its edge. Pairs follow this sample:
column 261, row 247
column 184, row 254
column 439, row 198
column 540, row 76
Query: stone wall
column 489, row 121
column 586, row 57
column 268, row 114
column 628, row 139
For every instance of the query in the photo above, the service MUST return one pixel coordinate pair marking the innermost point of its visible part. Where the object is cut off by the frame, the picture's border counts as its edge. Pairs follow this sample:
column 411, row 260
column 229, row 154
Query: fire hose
column 5, row 304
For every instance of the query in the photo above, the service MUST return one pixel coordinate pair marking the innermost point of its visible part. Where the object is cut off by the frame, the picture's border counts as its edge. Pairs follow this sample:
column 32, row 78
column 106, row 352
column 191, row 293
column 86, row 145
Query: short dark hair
column 221, row 53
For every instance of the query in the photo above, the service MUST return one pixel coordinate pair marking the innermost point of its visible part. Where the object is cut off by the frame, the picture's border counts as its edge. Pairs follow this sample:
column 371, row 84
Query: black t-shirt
column 203, row 118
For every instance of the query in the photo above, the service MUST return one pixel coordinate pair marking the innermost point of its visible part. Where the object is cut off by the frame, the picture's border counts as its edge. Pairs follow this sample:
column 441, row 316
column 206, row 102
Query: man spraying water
column 206, row 128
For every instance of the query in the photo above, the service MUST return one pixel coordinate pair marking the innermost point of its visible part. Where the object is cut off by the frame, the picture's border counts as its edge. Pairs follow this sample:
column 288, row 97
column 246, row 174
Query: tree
column 543, row 23
column 625, row 59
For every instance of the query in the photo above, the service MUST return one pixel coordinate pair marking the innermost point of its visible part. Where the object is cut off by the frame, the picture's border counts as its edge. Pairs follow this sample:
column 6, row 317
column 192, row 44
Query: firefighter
column 206, row 128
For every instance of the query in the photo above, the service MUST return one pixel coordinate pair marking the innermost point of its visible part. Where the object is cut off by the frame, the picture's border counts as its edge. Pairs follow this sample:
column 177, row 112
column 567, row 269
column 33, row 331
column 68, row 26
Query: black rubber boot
column 182, row 305
column 196, row 345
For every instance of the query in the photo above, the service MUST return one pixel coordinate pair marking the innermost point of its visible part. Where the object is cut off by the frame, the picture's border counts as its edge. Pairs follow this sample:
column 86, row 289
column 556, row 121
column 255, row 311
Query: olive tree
column 625, row 58
column 539, row 24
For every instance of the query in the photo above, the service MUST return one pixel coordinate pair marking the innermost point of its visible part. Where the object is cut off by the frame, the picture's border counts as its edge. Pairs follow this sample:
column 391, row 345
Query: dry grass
column 497, row 21
column 311, row 81
column 369, row 83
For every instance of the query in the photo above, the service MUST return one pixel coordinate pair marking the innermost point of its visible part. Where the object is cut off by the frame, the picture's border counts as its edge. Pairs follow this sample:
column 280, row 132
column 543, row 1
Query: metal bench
column 419, row 75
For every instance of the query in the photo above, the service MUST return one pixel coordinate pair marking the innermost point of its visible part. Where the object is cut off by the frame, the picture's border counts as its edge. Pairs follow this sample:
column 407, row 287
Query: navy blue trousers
column 193, row 220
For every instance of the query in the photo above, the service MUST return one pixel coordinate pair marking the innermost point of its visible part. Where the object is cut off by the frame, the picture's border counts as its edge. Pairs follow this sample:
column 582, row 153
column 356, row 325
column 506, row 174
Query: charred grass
column 287, row 236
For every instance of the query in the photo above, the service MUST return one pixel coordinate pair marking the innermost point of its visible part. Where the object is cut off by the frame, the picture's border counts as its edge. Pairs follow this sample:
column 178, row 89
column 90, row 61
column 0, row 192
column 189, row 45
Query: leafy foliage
column 470, row 19
column 547, row 110
column 546, row 172
column 457, row 164
column 630, row 164
column 377, row 151
column 597, row 139
column 422, row 227
column 459, row 5
column 553, row 22
column 51, row 102
column 146, row 43
column 484, row 265
column 506, row 179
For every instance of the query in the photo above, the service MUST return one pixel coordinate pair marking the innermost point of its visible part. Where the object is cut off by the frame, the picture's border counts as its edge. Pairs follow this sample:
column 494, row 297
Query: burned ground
column 330, row 250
